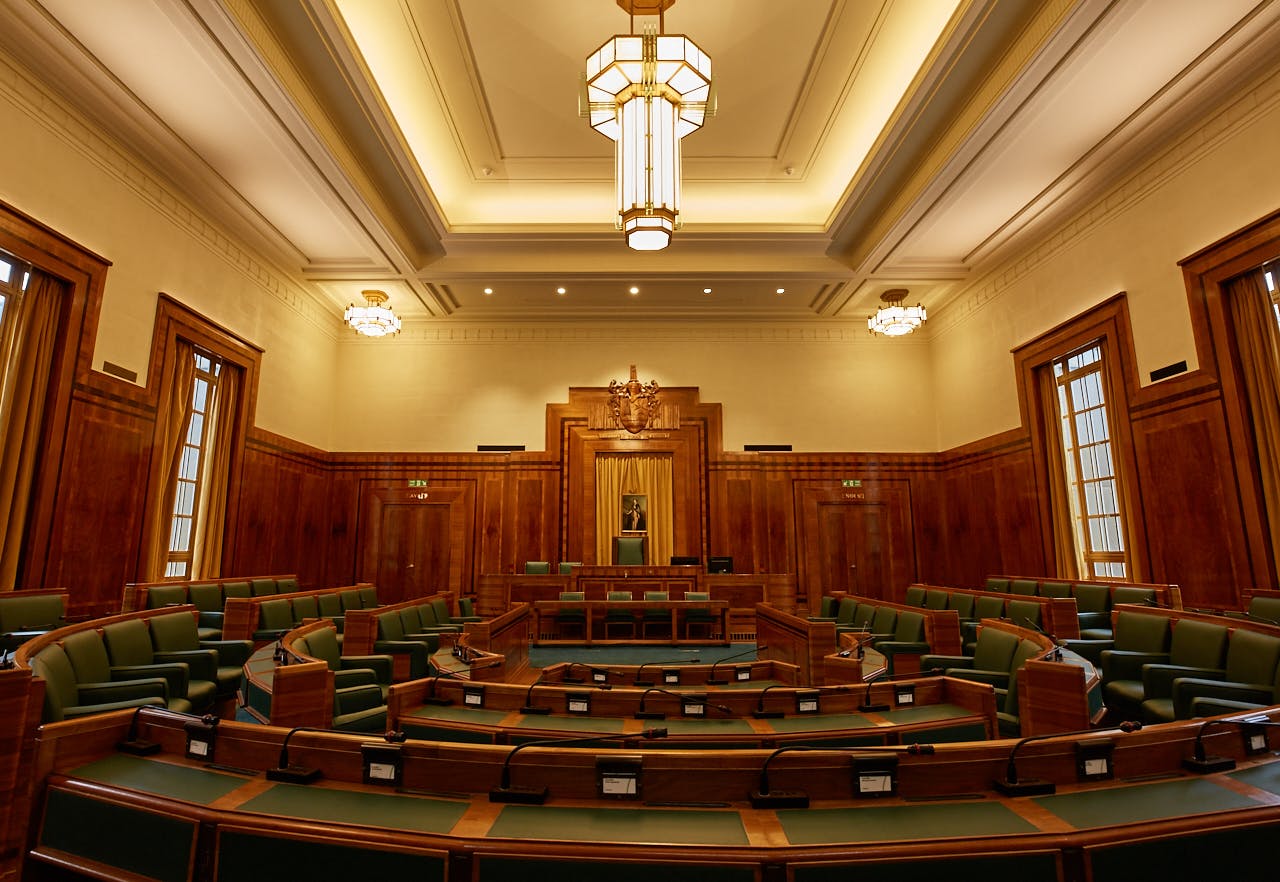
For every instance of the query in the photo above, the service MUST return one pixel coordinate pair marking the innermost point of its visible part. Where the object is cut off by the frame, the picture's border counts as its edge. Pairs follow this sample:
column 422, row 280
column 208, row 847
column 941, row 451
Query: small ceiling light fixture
column 893, row 319
column 645, row 92
column 373, row 319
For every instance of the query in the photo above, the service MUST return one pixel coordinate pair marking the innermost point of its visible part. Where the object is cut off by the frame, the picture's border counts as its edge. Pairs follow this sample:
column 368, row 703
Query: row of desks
column 675, row 611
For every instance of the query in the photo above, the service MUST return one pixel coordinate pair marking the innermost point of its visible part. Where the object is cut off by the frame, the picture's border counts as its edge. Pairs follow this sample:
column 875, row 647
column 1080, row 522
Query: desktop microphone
column 711, row 677
column 529, row 707
column 766, row 798
column 868, row 708
column 506, row 793
column 642, row 714
column 140, row 746
column 294, row 774
column 1056, row 655
column 599, row 676
column 1199, row 762
column 1011, row 785
column 679, row 661
column 762, row 714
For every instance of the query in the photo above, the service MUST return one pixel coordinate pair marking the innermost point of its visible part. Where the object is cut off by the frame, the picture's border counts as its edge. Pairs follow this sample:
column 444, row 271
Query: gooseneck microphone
column 599, row 676
column 639, row 681
column 868, row 708
column 1012, row 785
column 529, row 707
column 711, row 677
column 1056, row 655
column 291, row 774
column 440, row 701
column 762, row 714
column 642, row 714
column 1199, row 762
column 506, row 793
column 766, row 798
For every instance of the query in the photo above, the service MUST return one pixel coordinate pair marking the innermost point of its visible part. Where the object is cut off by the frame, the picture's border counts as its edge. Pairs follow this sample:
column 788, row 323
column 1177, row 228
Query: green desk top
column 604, row 725
column 397, row 811
column 162, row 779
column 695, row 726
column 1264, row 777
column 458, row 714
column 821, row 723
column 1143, row 802
column 926, row 713
column 891, row 822
column 685, row 827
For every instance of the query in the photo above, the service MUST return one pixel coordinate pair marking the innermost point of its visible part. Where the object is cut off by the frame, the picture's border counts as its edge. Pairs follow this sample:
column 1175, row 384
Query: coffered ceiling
column 433, row 148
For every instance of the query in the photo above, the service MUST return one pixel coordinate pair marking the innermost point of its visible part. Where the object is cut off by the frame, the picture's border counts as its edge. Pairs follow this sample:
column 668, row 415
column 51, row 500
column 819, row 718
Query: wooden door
column 853, row 553
column 413, row 551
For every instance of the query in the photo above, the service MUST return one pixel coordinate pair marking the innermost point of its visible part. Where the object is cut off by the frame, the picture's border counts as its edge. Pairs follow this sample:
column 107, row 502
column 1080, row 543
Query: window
column 1088, row 460
column 14, row 277
column 189, row 498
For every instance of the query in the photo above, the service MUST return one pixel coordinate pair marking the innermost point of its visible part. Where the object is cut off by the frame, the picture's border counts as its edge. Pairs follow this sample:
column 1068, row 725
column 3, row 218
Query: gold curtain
column 206, row 560
column 634, row 473
column 174, row 415
column 1063, row 523
column 1258, row 347
column 25, row 390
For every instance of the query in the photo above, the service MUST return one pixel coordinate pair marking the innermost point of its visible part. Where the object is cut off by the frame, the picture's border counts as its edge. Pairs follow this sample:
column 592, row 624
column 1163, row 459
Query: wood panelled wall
column 949, row 518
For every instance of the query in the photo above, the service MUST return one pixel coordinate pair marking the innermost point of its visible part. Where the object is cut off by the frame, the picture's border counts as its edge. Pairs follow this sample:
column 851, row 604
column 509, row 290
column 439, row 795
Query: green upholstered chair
column 992, row 656
column 330, row 606
column 1140, row 639
column 129, row 645
column 884, row 623
column 1132, row 594
column 359, row 709
column 1055, row 589
column 369, row 597
column 305, row 607
column 863, row 614
column 1264, row 609
column 236, row 589
column 392, row 640
column 287, row 585
column 566, row 566
column 207, row 598
column 908, row 638
column 1197, row 649
column 962, row 603
column 984, row 607
column 66, row 698
column 25, row 617
column 467, row 607
column 934, row 598
column 88, row 656
column 1023, row 587
column 619, row 617
column 1024, row 613
column 275, row 619
column 826, row 609
column 159, row 596
column 996, row 583
column 703, row 619
column 1250, row 675
column 1211, row 701
column 176, row 638
column 571, row 618
column 1093, row 608
column 846, row 616
column 1007, row 719
column 348, row 671
column 630, row 551
column 915, row 595
column 350, row 598
column 263, row 587
column 537, row 568
column 421, row 619
column 444, row 617
column 659, row 619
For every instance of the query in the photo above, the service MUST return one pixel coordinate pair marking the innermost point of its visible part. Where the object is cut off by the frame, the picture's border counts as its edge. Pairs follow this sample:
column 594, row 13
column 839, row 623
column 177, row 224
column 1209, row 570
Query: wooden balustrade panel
column 796, row 641
column 507, row 635
column 302, row 695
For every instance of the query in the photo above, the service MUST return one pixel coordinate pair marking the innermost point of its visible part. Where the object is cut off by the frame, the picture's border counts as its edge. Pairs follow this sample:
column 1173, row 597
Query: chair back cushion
column 935, row 599
column 1252, row 657
column 995, row 649
column 305, row 607
column 236, row 589
column 962, row 603
column 275, row 615
column 350, row 599
column 910, row 627
column 330, row 605
column 88, row 657
column 369, row 596
column 845, row 612
column 1024, row 587
column 537, row 567
column 166, row 595
column 573, row 595
column 1055, row 589
column 1198, row 644
column 129, row 642
column 323, row 643
column 1092, row 598
column 175, row 632
column 657, row 595
column 1022, row 611
column 1265, row 608
column 1136, row 632
column 862, row 616
column 53, row 666
column 262, row 587
column 566, row 566
column 988, row 608
column 885, row 620
column 629, row 550
column 40, row 612
column 994, row 583
column 287, row 585
column 624, row 595
column 915, row 596
column 466, row 606
column 410, row 621
column 1027, row 650
column 390, row 626
column 1132, row 594
column 697, row 595
column 440, row 607
column 206, row 597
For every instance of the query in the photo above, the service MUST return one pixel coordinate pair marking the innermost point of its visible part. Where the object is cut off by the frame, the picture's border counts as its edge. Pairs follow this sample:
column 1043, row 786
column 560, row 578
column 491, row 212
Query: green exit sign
column 851, row 482
column 417, row 482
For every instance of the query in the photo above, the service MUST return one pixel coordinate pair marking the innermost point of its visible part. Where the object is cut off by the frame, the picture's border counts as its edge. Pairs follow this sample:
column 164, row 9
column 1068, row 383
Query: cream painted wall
column 818, row 396
column 1215, row 180
column 67, row 177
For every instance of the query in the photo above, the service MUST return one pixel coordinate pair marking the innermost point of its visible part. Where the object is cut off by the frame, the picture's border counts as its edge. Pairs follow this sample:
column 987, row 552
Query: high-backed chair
column 995, row 583
column 305, row 607
column 444, row 617
column 467, row 608
column 935, row 598
column 87, row 654
column 1195, row 649
column 263, row 587
column 330, row 606
column 846, row 612
column 962, row 603
column 619, row 616
column 863, row 614
column 207, row 598
column 655, row 618
column 537, row 568
column 1093, row 608
column 1055, row 589
column 287, row 585
column 1250, row 676
column 1008, row 719
column 1023, row 587
column 1139, row 640
column 392, row 641
column 275, row 619
column 915, row 595
column 66, row 698
column 884, row 623
column 369, row 597
column 704, row 619
column 571, row 617
column 985, row 607
column 160, row 596
column 908, row 638
column 356, row 670
column 566, row 566
column 992, row 656
column 176, row 638
column 129, row 643
column 1132, row 594
column 826, row 609
column 27, row 616
column 629, row 551
column 1024, row 613
column 236, row 589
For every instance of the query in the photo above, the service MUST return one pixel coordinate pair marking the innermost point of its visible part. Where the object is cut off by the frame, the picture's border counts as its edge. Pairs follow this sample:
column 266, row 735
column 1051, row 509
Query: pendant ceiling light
column 373, row 319
column 893, row 319
column 646, row 92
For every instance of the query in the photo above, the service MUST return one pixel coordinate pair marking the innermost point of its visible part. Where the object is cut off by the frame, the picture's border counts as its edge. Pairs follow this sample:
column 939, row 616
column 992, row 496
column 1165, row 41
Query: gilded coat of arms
column 634, row 405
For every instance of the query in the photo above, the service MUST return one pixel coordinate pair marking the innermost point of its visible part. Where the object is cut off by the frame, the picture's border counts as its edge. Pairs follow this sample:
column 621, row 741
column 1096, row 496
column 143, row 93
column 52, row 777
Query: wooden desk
column 595, row 610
